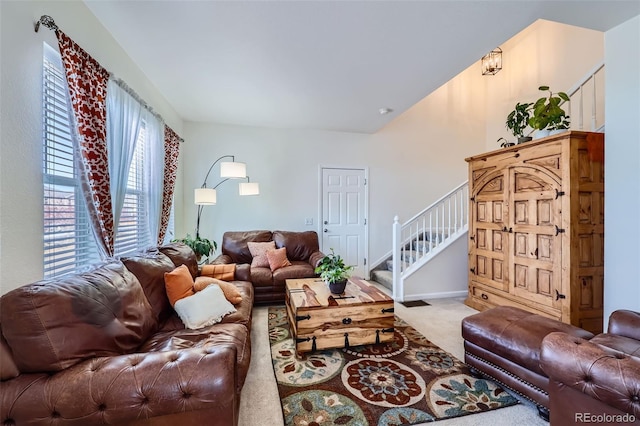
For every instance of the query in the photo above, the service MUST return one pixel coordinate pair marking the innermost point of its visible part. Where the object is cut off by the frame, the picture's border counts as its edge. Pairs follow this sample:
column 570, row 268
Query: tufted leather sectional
column 571, row 375
column 597, row 380
column 106, row 347
column 302, row 251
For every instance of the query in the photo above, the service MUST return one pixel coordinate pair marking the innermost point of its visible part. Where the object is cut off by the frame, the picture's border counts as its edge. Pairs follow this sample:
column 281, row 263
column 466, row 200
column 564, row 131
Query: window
column 133, row 230
column 69, row 243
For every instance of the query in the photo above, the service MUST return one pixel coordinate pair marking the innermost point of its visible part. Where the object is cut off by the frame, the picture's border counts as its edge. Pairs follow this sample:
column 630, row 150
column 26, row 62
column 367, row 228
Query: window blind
column 133, row 232
column 69, row 243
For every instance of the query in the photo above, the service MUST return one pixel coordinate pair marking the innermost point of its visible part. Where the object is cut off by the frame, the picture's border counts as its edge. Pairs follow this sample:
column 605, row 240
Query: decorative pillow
column 204, row 308
column 226, row 272
column 278, row 258
column 178, row 283
column 259, row 253
column 230, row 291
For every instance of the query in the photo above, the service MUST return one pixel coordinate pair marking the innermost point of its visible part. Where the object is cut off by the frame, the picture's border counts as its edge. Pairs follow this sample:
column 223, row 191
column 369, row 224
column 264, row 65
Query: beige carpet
column 440, row 323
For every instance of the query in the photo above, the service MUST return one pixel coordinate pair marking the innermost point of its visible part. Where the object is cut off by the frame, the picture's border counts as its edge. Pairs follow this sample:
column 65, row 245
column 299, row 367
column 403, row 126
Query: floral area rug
column 403, row 382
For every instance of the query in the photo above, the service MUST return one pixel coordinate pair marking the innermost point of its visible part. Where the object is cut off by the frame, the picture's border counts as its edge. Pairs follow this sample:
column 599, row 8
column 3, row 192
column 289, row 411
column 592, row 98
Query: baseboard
column 441, row 295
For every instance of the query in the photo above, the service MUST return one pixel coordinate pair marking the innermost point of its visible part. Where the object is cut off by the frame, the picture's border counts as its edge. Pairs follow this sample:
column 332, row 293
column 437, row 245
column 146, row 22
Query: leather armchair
column 596, row 380
column 303, row 252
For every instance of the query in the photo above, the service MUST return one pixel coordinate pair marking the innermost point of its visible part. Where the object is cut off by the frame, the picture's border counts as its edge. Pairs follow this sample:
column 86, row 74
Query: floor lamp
column 205, row 196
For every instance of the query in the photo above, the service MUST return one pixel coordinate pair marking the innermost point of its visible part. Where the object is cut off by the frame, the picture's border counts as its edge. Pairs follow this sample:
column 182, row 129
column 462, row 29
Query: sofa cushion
column 278, row 258
column 298, row 269
column 620, row 343
column 53, row 324
column 259, row 253
column 149, row 268
column 234, row 244
column 219, row 334
column 300, row 245
column 204, row 308
column 230, row 291
column 181, row 254
column 179, row 284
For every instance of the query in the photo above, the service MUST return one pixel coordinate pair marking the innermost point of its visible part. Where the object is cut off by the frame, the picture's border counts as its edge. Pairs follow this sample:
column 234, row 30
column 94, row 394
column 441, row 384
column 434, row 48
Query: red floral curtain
column 87, row 81
column 171, row 152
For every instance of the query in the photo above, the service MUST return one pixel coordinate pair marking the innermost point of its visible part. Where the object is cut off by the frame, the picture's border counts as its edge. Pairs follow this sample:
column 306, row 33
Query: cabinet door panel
column 488, row 247
column 535, row 258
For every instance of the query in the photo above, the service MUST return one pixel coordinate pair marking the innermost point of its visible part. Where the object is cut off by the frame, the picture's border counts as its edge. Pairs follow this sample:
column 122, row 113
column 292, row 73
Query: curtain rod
column 48, row 22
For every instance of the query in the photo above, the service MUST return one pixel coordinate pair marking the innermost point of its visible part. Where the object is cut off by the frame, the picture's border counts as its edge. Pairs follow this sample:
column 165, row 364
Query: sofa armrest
column 243, row 272
column 315, row 258
column 125, row 388
column 601, row 373
column 625, row 323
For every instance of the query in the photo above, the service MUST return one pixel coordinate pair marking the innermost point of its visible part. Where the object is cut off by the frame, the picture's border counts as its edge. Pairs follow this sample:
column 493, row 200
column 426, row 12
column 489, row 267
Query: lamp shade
column 205, row 196
column 249, row 188
column 233, row 169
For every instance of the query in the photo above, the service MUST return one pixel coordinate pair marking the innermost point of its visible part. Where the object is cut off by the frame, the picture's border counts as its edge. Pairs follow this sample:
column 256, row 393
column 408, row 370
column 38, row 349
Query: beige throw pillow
column 259, row 253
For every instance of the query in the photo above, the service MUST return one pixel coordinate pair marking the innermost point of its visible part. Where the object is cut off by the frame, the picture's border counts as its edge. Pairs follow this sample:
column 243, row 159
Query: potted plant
column 202, row 247
column 548, row 113
column 505, row 143
column 518, row 120
column 334, row 272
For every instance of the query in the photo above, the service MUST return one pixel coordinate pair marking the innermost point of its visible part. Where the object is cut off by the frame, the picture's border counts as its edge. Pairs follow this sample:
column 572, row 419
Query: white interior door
column 344, row 216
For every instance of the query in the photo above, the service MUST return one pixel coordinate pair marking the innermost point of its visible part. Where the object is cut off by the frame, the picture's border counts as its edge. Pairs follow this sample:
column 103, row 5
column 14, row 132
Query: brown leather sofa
column 106, row 347
column 303, row 251
column 595, row 381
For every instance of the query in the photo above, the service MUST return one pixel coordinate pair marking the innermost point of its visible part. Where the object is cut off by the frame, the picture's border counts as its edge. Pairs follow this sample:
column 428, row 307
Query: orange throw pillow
column 259, row 253
column 278, row 258
column 225, row 272
column 230, row 291
column 178, row 283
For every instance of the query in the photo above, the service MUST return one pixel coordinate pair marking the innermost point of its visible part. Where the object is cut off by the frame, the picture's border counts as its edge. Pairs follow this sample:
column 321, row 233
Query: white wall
column 443, row 276
column 544, row 54
column 412, row 161
column 21, row 223
column 622, row 168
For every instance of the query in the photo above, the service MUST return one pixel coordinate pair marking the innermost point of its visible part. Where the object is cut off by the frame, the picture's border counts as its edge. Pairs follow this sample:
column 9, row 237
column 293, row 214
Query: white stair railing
column 587, row 101
column 425, row 234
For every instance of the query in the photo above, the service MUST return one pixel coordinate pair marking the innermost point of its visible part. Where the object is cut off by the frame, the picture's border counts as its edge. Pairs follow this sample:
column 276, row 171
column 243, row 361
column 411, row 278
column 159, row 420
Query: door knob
column 326, row 230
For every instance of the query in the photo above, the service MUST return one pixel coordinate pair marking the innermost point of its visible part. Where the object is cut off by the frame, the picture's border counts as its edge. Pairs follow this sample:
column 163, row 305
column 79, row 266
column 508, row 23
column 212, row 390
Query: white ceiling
column 321, row 64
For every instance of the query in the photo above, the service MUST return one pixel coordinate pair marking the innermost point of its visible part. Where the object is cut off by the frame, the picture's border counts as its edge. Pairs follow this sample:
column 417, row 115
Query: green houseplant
column 518, row 120
column 548, row 113
column 200, row 246
column 334, row 272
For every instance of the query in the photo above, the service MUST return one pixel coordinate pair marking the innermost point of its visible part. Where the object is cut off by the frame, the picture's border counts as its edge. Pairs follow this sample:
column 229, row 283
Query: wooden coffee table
column 320, row 320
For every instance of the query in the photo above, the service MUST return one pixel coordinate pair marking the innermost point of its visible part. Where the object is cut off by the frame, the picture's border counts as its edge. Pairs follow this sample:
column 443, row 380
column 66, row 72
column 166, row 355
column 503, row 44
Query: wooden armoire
column 536, row 228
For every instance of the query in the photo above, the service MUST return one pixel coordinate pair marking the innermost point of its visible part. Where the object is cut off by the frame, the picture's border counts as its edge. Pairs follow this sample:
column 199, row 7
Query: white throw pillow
column 206, row 307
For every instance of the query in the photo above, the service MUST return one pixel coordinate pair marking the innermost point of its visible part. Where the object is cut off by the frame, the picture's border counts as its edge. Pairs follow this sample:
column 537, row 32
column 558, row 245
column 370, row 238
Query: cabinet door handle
column 484, row 296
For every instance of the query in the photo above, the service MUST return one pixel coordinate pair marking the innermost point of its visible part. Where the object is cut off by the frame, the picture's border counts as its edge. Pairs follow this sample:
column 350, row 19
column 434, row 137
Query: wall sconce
column 204, row 196
column 492, row 62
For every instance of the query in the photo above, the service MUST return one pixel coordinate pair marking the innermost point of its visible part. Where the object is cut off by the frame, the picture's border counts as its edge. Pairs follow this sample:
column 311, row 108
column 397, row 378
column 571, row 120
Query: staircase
column 422, row 237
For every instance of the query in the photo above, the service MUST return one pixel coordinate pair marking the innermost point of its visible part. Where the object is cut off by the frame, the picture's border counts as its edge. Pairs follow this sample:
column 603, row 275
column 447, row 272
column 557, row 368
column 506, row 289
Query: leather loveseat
column 595, row 381
column 302, row 251
column 106, row 347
